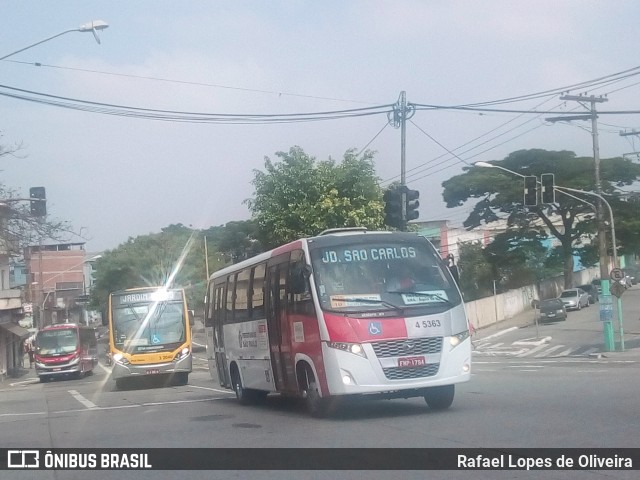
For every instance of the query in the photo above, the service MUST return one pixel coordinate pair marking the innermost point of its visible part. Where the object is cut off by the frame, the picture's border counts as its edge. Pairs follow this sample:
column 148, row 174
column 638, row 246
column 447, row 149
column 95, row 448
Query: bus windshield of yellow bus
column 143, row 325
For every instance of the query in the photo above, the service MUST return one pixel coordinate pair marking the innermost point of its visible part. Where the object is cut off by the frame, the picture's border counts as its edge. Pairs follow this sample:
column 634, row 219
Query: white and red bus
column 65, row 349
column 332, row 316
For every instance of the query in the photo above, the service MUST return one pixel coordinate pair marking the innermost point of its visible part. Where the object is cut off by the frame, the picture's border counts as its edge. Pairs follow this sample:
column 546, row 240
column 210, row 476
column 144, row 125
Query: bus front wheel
column 317, row 406
column 440, row 398
column 181, row 378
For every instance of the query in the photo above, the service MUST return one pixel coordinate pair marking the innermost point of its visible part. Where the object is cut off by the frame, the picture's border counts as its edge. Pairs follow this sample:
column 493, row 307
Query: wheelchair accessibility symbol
column 155, row 339
column 375, row 328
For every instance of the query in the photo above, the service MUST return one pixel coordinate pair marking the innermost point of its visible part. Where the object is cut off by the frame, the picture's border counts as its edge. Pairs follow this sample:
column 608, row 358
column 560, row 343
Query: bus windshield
column 148, row 327
column 57, row 342
column 382, row 275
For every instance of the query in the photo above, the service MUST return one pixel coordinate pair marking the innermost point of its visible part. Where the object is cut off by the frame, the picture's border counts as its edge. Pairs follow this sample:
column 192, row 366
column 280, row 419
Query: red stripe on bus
column 355, row 330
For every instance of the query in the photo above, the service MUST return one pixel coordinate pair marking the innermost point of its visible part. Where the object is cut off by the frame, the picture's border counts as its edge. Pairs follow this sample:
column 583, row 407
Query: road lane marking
column 549, row 351
column 533, row 350
column 25, row 382
column 21, row 414
column 533, row 342
column 213, row 389
column 87, row 403
column 116, row 407
column 497, row 334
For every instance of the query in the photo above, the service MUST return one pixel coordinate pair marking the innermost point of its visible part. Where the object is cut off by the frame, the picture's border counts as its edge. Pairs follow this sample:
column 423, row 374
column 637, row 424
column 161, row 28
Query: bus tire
column 242, row 394
column 317, row 406
column 181, row 378
column 440, row 398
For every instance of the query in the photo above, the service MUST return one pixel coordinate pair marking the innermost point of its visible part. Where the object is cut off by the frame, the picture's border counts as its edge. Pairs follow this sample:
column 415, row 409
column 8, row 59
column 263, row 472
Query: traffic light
column 38, row 201
column 548, row 193
column 412, row 204
column 393, row 207
column 530, row 191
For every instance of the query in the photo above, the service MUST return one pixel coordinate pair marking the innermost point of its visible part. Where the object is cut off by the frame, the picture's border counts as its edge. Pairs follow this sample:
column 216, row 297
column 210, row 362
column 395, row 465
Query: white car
column 574, row 298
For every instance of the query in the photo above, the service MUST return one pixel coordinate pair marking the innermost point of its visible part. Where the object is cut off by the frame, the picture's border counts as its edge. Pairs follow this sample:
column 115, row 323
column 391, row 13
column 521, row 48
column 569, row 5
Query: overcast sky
column 115, row 177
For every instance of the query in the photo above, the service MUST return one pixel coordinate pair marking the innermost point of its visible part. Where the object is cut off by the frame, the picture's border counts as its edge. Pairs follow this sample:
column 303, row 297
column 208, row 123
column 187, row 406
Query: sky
column 113, row 177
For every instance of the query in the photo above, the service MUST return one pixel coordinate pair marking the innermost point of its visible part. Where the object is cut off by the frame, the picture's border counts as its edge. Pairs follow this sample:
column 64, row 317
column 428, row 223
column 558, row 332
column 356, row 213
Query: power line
column 185, row 116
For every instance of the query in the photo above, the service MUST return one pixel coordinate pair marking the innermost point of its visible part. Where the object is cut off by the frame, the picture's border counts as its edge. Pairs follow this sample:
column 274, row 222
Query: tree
column 569, row 220
column 238, row 240
column 299, row 196
column 19, row 228
column 174, row 257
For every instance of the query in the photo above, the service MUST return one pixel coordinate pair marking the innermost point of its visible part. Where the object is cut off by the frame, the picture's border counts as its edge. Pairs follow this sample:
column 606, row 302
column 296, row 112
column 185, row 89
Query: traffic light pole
column 402, row 112
column 606, row 306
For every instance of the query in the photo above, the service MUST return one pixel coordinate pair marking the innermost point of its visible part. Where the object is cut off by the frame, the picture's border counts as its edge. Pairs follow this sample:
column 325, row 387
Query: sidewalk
column 20, row 375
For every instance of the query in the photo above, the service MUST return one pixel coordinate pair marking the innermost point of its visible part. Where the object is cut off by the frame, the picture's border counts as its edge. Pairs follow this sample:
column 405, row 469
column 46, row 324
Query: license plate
column 551, row 314
column 153, row 371
column 57, row 369
column 409, row 362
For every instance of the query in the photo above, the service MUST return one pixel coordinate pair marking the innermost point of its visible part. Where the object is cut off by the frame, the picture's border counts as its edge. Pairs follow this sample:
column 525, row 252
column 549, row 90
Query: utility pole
column 398, row 119
column 626, row 134
column 606, row 303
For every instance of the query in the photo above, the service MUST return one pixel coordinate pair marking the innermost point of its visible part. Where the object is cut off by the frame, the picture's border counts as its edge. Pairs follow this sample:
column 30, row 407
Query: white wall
column 490, row 310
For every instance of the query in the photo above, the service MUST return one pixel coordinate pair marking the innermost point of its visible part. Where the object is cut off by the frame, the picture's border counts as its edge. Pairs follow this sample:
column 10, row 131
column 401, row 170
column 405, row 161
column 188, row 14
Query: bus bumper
column 366, row 376
column 43, row 370
column 121, row 370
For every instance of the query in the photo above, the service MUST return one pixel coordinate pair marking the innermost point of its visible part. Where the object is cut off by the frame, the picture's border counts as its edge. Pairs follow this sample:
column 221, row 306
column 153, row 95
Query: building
column 11, row 334
column 59, row 282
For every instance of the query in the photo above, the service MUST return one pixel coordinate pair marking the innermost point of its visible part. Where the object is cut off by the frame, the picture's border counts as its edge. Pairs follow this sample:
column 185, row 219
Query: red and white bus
column 331, row 316
column 65, row 349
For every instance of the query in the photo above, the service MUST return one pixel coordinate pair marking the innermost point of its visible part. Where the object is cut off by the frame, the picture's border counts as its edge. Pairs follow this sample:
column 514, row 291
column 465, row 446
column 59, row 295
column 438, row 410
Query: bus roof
column 326, row 237
column 145, row 289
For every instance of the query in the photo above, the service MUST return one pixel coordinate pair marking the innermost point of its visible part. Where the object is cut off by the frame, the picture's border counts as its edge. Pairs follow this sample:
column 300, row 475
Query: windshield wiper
column 378, row 302
column 431, row 295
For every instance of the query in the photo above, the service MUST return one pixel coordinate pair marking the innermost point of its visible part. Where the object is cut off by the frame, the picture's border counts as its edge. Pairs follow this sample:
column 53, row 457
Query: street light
column 606, row 306
column 92, row 27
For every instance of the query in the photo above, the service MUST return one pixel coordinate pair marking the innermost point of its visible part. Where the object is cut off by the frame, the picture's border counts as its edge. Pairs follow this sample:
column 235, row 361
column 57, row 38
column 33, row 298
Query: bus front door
column 279, row 337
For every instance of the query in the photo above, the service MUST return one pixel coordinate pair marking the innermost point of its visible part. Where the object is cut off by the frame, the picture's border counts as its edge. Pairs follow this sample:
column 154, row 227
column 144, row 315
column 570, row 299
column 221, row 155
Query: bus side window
column 257, row 291
column 300, row 301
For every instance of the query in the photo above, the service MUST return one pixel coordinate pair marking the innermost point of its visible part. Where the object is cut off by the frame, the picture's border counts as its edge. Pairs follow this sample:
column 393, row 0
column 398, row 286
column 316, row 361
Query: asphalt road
column 510, row 402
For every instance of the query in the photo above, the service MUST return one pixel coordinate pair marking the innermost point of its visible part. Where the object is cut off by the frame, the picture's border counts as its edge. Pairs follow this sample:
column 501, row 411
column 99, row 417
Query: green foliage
column 499, row 194
column 173, row 257
column 239, row 240
column 298, row 196
column 476, row 274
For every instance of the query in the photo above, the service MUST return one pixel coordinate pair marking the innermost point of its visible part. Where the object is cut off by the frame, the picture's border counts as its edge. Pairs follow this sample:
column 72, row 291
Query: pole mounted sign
column 617, row 274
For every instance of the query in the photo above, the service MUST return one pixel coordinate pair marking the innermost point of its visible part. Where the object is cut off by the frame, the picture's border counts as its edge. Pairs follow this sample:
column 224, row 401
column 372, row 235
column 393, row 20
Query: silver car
column 574, row 298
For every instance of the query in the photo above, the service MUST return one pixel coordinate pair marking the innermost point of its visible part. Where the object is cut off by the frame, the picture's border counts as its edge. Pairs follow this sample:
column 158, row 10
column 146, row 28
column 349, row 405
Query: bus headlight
column 354, row 348
column 181, row 354
column 120, row 358
column 458, row 338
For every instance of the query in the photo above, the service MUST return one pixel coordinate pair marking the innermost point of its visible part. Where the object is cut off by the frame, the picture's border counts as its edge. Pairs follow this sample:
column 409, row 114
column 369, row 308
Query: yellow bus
column 150, row 334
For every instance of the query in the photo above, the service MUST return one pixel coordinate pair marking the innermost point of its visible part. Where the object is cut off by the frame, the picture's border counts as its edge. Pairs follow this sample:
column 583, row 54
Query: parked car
column 552, row 309
column 598, row 284
column 574, row 298
column 632, row 276
column 592, row 291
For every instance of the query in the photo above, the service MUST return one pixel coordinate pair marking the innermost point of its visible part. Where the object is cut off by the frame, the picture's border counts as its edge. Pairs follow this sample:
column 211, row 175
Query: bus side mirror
column 191, row 320
column 298, row 279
